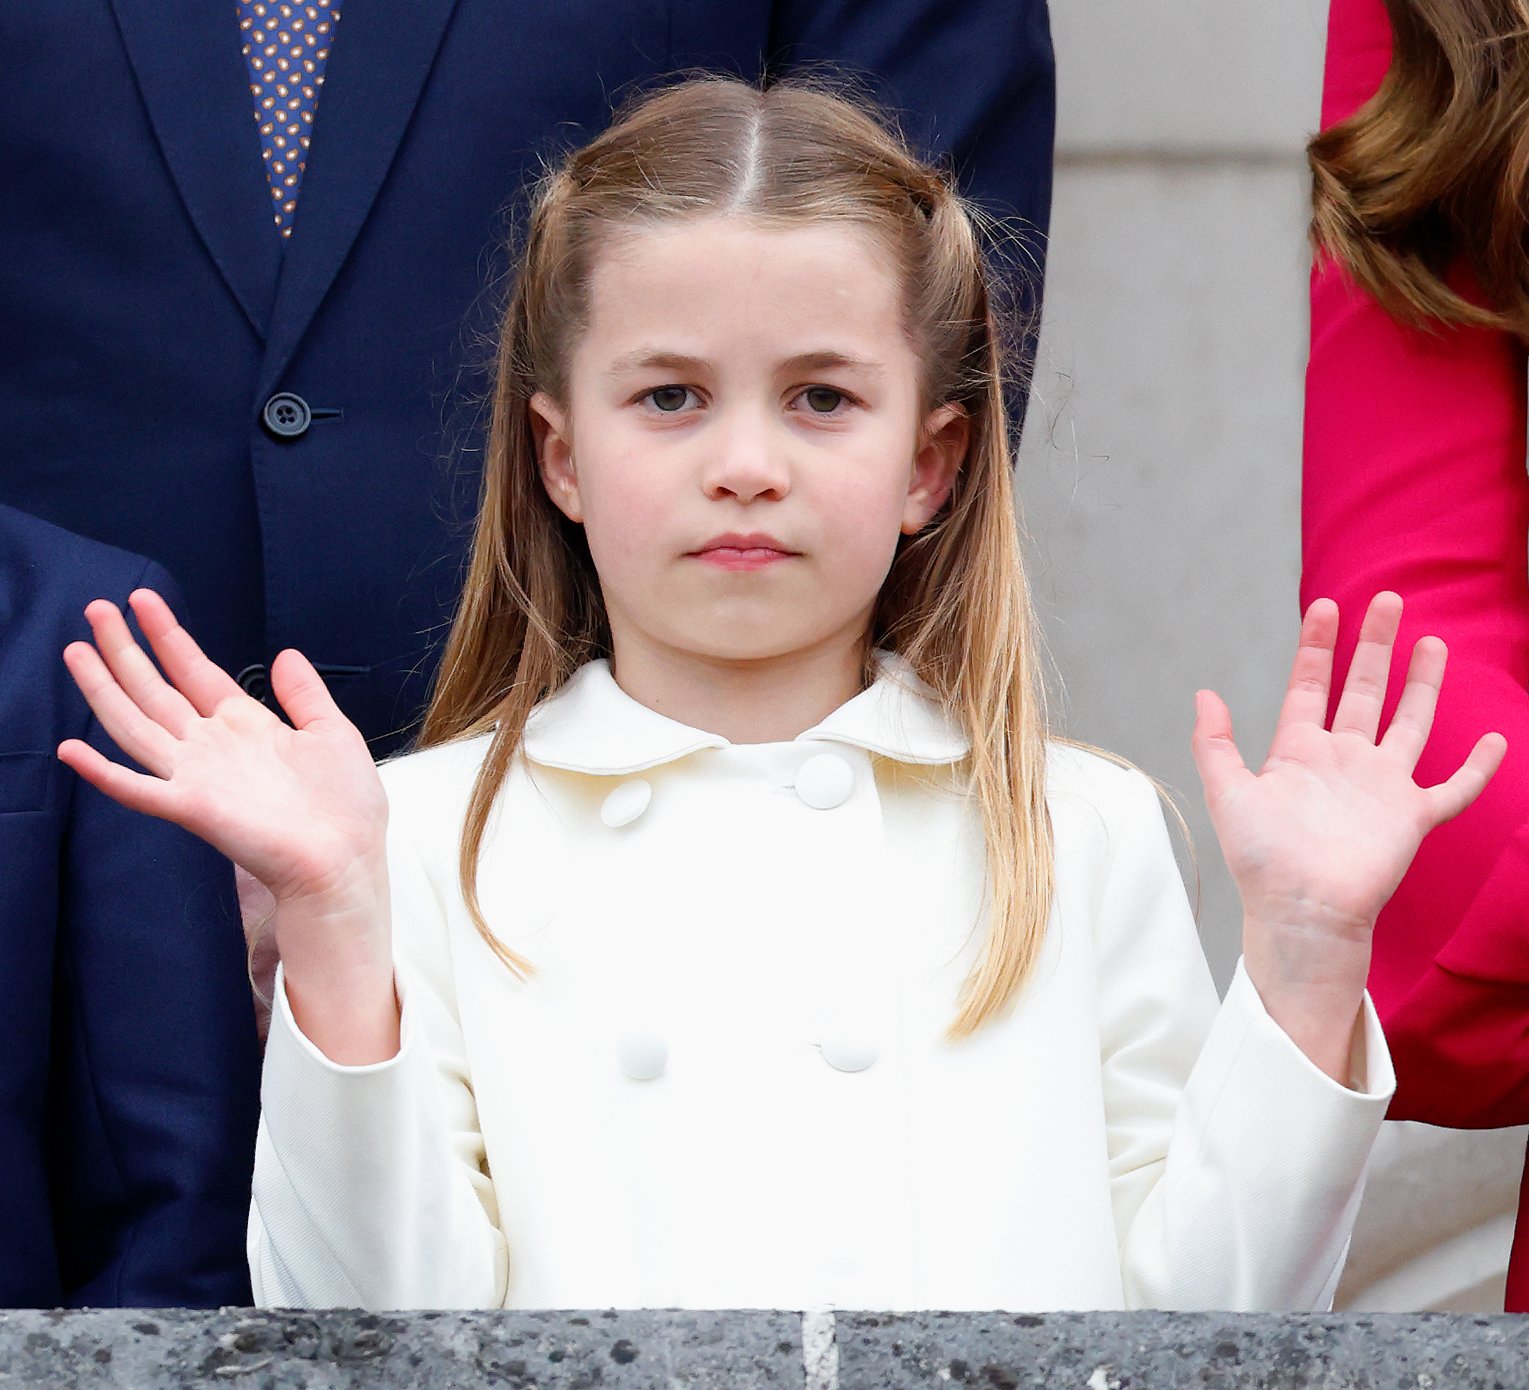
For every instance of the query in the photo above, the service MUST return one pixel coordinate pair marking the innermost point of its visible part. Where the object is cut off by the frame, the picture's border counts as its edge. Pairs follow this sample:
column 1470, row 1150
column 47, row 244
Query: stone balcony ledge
column 249, row 1350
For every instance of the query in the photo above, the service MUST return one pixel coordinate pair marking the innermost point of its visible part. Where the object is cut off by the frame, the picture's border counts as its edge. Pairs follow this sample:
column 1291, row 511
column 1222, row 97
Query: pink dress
column 1415, row 481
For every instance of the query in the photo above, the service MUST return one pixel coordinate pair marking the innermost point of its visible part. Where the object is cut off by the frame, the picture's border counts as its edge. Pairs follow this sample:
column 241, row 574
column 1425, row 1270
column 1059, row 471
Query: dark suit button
column 255, row 681
column 287, row 416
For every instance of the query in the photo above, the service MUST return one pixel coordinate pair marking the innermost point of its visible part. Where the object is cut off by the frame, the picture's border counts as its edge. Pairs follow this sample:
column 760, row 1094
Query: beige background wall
column 1160, row 476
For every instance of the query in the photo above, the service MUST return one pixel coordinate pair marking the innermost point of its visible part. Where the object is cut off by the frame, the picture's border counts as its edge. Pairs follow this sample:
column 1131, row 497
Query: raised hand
column 1318, row 839
column 300, row 808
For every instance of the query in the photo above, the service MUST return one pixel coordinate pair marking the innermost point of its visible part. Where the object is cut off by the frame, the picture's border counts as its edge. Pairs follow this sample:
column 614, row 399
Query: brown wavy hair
column 955, row 603
column 1431, row 172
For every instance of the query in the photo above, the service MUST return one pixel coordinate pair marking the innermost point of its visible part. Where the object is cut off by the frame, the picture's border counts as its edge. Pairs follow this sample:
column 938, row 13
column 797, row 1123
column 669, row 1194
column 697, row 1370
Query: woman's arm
column 1415, row 481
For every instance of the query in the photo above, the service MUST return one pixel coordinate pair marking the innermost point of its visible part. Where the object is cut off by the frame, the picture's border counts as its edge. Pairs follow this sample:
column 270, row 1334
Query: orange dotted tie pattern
column 286, row 46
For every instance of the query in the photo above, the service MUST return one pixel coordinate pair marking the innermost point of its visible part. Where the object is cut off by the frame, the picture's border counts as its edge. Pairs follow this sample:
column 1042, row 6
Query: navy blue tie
column 286, row 45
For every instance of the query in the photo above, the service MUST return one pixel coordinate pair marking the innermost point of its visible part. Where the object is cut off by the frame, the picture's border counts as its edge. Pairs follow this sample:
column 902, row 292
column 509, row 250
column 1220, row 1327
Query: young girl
column 737, row 938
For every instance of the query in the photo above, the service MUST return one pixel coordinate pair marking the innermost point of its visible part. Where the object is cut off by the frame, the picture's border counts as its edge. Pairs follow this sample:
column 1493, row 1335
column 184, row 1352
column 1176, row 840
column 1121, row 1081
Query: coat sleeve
column 1415, row 481
column 370, row 1182
column 1236, row 1164
column 155, row 1085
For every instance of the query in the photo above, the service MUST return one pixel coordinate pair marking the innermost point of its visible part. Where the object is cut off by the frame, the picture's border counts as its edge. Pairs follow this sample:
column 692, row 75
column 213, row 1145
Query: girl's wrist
column 1323, row 1033
column 354, row 1021
column 332, row 880
column 337, row 966
column 1312, row 984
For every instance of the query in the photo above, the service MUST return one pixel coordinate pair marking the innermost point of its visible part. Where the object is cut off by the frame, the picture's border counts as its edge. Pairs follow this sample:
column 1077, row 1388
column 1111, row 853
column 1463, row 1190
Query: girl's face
column 742, row 439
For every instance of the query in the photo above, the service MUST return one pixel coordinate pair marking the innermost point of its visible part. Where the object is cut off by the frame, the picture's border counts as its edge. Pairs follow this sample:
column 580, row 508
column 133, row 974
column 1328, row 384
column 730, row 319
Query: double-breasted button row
column 645, row 1056
column 823, row 782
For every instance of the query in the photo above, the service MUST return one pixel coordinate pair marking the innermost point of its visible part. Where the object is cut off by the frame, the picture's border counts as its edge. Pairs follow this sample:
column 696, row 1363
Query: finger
column 1311, row 673
column 301, row 691
column 1413, row 720
column 1364, row 692
column 1215, row 751
column 1449, row 798
column 135, row 790
column 134, row 672
column 203, row 682
column 140, row 737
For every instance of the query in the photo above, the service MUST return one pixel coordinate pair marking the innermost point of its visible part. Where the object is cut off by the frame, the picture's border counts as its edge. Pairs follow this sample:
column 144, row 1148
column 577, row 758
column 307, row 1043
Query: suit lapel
column 195, row 85
column 383, row 52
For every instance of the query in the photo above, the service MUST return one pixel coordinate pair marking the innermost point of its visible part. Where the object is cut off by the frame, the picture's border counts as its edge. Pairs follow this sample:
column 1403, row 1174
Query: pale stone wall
column 340, row 1350
column 1160, row 476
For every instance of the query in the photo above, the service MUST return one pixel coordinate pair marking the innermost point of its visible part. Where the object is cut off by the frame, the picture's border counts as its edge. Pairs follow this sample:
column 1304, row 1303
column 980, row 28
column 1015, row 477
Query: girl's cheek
column 629, row 522
column 630, row 480
column 870, row 504
column 640, row 509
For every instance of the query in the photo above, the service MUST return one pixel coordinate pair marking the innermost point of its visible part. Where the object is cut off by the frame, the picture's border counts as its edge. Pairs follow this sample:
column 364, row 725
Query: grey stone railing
column 756, row 1350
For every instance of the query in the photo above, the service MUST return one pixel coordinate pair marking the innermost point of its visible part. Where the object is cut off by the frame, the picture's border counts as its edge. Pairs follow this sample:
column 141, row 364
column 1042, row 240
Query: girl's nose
column 746, row 464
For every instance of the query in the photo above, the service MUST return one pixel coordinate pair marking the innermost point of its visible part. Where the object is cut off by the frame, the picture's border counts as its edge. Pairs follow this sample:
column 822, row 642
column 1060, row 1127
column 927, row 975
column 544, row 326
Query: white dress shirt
column 727, row 1085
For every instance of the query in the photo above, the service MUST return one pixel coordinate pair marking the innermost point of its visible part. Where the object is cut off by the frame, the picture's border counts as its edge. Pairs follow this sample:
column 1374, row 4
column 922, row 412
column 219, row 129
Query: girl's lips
column 736, row 557
column 740, row 550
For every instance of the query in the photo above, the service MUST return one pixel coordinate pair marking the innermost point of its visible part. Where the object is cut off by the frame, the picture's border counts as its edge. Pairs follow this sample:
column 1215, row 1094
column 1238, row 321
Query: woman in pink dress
column 1415, row 481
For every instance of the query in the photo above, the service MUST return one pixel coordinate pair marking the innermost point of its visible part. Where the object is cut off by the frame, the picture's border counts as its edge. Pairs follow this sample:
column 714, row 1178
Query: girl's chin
column 734, row 647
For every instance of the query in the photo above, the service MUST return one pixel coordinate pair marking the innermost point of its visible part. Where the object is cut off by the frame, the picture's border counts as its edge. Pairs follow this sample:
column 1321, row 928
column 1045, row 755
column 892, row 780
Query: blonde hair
column 1434, row 168
column 955, row 604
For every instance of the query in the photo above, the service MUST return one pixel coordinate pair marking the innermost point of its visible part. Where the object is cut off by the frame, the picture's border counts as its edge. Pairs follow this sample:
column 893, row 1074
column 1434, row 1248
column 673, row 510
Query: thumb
column 301, row 690
column 1215, row 751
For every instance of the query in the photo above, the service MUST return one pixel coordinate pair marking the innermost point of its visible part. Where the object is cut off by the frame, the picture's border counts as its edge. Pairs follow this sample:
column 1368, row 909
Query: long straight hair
column 1434, row 169
column 955, row 603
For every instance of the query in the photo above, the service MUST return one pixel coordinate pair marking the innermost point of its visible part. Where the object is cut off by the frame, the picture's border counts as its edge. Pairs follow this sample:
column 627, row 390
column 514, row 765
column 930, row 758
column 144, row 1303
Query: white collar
column 591, row 725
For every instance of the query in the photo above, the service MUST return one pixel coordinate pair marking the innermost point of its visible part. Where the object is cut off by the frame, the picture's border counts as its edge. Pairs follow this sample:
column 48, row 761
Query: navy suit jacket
column 149, row 311
column 129, row 1076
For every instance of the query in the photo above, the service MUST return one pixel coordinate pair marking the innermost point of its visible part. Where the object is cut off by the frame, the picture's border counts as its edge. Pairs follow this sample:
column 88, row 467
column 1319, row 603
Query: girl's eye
column 823, row 400
column 670, row 399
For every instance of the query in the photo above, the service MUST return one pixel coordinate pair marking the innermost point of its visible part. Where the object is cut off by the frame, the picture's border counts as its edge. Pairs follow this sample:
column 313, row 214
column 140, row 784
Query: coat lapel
column 383, row 52
column 195, row 85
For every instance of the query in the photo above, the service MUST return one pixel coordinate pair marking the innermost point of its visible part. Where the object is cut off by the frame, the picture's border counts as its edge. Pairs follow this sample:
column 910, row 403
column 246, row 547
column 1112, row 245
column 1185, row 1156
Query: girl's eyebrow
column 830, row 360
column 647, row 359
column 650, row 359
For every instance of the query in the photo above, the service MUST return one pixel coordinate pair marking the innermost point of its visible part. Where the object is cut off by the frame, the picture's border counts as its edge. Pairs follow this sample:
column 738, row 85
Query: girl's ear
column 554, row 455
column 941, row 452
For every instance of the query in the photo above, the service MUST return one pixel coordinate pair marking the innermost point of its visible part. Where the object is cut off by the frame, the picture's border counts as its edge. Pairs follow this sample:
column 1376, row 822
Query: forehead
column 719, row 285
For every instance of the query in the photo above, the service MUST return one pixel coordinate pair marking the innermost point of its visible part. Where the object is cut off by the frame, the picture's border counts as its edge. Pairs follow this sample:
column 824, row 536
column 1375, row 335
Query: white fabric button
column 824, row 781
column 626, row 803
column 849, row 1053
column 642, row 1056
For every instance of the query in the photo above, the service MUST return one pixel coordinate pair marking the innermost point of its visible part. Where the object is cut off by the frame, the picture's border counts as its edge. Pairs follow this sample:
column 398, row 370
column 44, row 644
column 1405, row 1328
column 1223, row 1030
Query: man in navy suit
column 128, row 1067
column 286, row 422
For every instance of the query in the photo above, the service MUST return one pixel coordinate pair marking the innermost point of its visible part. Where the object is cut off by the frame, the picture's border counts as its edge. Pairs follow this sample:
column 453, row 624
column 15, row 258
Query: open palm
column 1326, row 828
column 298, row 807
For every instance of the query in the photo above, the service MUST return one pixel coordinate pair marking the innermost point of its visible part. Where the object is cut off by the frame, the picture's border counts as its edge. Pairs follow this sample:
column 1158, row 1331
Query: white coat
column 1113, row 1141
